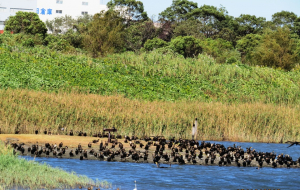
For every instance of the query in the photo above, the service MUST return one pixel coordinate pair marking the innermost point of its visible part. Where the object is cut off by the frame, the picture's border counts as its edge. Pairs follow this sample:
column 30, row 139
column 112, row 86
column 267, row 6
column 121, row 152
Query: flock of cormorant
column 158, row 150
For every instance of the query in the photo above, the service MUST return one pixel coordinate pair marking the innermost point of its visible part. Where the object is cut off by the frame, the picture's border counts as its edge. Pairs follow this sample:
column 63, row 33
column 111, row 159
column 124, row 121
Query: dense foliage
column 156, row 75
column 105, row 34
column 246, row 39
column 26, row 22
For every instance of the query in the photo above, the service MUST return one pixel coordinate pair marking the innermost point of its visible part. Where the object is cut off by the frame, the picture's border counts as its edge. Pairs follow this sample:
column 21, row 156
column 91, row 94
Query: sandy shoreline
column 70, row 143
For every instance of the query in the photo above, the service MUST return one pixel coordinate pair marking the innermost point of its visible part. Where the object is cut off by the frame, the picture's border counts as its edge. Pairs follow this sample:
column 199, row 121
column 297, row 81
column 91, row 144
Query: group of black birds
column 159, row 150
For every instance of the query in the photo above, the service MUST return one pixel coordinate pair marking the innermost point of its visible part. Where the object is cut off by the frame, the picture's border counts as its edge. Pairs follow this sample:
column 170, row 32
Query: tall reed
column 26, row 110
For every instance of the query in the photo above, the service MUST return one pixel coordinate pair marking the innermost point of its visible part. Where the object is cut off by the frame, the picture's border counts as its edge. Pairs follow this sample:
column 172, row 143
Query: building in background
column 49, row 9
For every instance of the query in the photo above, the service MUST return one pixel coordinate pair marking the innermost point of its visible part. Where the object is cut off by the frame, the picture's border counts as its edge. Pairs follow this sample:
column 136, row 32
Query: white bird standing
column 135, row 186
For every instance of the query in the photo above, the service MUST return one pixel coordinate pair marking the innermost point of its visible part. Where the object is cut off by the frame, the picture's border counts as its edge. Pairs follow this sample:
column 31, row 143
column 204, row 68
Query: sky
column 259, row 8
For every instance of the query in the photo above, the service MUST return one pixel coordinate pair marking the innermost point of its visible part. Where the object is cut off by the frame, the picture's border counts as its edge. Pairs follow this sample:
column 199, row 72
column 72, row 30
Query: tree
column 165, row 30
column 188, row 46
column 138, row 33
column 296, row 28
column 284, row 18
column 105, row 34
column 217, row 48
column 133, row 10
column 289, row 19
column 26, row 22
column 226, row 34
column 60, row 24
column 248, row 24
column 190, row 27
column 277, row 49
column 247, row 44
column 209, row 14
column 180, row 10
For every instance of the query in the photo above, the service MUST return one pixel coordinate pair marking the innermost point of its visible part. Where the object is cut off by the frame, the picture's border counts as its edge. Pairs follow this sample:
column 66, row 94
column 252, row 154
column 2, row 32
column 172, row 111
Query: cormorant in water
column 158, row 165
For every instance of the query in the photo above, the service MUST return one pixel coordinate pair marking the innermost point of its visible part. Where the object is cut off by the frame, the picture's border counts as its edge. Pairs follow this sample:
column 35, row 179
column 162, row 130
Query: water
column 149, row 177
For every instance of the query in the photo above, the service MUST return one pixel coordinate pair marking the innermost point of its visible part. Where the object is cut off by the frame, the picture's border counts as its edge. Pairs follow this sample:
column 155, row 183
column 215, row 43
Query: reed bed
column 26, row 110
column 17, row 172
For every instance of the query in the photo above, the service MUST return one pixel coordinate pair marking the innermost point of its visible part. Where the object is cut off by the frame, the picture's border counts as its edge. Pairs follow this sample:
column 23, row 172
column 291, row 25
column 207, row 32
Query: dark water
column 149, row 177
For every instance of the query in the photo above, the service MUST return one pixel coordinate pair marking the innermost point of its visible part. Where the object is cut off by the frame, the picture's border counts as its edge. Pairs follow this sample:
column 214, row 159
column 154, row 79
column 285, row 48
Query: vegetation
column 26, row 22
column 26, row 111
column 17, row 172
column 148, row 76
column 235, row 69
column 191, row 29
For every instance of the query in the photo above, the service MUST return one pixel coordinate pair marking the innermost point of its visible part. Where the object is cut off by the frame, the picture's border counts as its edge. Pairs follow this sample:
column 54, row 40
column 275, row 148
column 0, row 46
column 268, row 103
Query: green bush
column 26, row 22
column 75, row 39
column 277, row 49
column 231, row 60
column 219, row 49
column 56, row 42
column 247, row 44
column 188, row 46
column 154, row 44
column 28, row 42
column 137, row 34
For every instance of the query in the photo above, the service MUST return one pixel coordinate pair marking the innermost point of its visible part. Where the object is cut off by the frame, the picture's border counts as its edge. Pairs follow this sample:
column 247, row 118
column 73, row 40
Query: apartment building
column 49, row 9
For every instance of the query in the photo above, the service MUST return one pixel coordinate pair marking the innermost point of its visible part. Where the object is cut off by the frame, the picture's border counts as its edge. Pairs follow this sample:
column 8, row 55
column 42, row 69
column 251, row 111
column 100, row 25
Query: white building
column 49, row 9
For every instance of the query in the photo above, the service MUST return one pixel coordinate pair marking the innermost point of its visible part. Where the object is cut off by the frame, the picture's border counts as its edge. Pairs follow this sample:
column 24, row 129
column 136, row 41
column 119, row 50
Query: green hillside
column 149, row 76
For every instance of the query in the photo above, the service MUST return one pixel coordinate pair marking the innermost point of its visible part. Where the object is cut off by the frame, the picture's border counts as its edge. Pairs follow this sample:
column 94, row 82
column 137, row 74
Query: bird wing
column 291, row 144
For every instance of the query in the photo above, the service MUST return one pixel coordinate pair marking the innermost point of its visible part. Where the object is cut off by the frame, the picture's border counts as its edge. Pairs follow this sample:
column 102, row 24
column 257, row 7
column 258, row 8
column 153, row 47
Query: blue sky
column 259, row 8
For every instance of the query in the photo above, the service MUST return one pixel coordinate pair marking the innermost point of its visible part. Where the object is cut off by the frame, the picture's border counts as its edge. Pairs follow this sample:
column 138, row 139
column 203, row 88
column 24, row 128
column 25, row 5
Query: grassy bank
column 147, row 76
column 16, row 172
column 150, row 93
column 27, row 110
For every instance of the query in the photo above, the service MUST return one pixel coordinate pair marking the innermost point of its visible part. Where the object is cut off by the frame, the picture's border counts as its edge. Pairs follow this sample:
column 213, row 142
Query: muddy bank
column 159, row 151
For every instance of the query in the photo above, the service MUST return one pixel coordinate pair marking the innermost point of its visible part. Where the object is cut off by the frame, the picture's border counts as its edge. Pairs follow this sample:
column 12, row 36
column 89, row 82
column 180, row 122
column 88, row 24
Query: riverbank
column 112, row 151
column 17, row 172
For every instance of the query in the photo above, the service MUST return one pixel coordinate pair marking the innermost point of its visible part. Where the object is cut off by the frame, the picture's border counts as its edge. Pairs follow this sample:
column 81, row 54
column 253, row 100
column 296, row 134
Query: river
column 177, row 177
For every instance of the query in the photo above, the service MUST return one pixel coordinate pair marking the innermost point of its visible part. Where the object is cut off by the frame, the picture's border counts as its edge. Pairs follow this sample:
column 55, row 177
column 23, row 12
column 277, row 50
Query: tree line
column 183, row 28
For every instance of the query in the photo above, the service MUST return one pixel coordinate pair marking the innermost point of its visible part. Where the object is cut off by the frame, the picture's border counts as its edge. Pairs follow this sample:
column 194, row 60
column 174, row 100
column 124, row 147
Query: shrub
column 75, row 39
column 26, row 22
column 56, row 42
column 278, row 49
column 28, row 42
column 218, row 48
column 154, row 44
column 188, row 46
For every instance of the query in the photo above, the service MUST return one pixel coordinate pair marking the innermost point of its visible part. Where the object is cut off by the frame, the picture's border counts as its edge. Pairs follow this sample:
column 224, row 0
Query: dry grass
column 26, row 111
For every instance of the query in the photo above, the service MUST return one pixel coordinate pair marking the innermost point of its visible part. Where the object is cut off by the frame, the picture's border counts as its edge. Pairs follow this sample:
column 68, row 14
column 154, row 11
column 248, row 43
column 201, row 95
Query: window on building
column 2, row 9
column 85, row 3
column 84, row 13
column 2, row 22
column 14, row 10
column 59, row 11
column 59, row 1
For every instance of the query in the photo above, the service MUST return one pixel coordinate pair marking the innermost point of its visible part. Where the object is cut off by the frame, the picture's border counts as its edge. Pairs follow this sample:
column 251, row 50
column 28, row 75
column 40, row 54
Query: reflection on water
column 148, row 176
